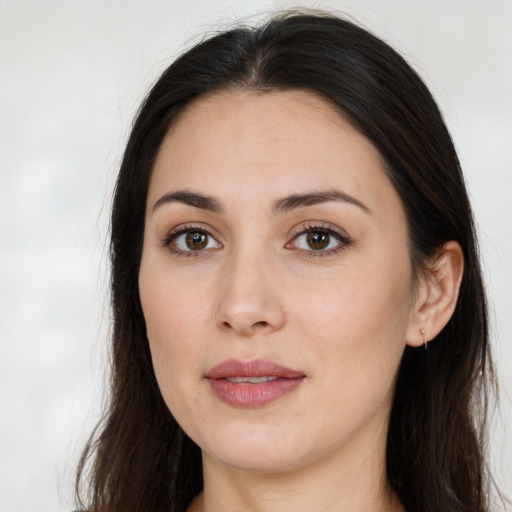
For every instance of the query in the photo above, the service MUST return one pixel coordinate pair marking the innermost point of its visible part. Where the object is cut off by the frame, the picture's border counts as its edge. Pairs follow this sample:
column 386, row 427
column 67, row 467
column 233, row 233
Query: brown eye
column 320, row 241
column 196, row 240
column 192, row 240
column 317, row 240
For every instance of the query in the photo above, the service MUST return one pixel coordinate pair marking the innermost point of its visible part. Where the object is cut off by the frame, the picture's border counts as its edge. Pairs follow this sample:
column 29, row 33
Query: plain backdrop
column 72, row 74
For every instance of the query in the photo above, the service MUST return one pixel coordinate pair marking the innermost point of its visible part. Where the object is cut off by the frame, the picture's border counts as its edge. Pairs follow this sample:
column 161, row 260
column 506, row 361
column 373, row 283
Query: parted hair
column 138, row 458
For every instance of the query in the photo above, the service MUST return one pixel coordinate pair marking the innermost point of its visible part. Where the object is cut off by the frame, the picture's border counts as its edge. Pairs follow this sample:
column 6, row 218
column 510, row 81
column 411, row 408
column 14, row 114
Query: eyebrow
column 192, row 199
column 281, row 206
column 310, row 199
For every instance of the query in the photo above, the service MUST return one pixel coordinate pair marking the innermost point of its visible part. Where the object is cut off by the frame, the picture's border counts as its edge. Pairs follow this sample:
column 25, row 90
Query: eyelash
column 182, row 230
column 343, row 240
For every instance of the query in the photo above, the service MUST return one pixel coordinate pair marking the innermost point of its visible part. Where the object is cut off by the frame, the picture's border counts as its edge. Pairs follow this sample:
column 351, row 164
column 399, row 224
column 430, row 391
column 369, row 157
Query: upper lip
column 255, row 368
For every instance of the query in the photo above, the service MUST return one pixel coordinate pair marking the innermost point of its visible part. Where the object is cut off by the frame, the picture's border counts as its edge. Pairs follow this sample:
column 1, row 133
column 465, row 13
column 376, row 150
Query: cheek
column 171, row 323
column 359, row 328
column 173, row 302
column 176, row 356
column 369, row 306
column 356, row 335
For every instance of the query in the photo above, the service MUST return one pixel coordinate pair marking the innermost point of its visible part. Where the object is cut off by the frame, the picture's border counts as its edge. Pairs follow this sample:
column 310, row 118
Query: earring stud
column 425, row 342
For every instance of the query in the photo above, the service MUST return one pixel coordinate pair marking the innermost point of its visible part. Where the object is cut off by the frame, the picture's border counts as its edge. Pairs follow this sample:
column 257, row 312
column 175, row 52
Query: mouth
column 250, row 380
column 252, row 384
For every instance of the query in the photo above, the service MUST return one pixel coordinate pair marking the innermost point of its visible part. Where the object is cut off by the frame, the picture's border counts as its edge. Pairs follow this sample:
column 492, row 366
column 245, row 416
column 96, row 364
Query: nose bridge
column 248, row 295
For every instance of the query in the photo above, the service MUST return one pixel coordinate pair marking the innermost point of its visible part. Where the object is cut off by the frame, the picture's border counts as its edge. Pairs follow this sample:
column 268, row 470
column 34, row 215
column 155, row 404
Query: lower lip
column 250, row 396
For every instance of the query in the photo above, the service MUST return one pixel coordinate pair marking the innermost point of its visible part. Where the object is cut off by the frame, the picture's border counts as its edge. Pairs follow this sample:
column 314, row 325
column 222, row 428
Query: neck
column 353, row 479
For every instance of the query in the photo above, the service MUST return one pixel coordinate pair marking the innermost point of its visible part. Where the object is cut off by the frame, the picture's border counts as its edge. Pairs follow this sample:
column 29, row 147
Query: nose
column 249, row 297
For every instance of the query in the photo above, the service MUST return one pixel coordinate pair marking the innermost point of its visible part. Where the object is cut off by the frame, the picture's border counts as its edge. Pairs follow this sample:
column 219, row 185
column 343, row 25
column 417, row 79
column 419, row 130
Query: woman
column 299, row 316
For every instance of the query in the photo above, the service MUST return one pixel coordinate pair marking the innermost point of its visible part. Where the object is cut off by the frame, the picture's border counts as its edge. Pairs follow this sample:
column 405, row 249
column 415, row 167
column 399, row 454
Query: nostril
column 256, row 325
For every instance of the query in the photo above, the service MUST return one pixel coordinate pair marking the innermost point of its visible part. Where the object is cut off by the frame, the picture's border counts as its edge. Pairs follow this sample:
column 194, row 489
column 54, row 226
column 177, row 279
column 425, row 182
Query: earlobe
column 438, row 291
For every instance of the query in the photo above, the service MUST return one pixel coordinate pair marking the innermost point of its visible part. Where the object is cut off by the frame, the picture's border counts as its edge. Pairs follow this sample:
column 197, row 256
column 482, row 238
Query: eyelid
column 341, row 235
column 310, row 226
column 182, row 229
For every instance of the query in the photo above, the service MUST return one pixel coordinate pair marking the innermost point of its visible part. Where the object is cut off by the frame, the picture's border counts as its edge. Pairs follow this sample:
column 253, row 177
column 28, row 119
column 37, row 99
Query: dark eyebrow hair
column 192, row 199
column 310, row 199
column 283, row 205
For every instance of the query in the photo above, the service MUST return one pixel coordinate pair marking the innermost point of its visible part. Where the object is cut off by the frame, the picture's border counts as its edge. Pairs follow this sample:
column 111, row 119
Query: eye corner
column 191, row 240
column 328, row 240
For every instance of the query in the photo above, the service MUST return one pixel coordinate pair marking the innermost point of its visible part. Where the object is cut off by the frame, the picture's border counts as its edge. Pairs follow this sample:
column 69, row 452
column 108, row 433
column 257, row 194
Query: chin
column 260, row 460
column 258, row 451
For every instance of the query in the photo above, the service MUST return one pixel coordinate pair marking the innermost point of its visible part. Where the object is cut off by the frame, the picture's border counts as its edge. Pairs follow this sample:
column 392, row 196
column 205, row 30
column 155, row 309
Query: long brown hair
column 139, row 458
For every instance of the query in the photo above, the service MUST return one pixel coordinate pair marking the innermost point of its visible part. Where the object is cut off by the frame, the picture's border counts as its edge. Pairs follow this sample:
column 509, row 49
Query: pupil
column 318, row 241
column 196, row 241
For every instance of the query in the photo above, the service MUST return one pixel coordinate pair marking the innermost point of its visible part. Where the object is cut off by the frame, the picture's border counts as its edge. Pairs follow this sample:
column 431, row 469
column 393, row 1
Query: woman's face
column 275, row 281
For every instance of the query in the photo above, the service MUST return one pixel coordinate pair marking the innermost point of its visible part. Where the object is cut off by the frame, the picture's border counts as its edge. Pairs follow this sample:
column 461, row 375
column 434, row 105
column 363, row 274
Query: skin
column 257, row 290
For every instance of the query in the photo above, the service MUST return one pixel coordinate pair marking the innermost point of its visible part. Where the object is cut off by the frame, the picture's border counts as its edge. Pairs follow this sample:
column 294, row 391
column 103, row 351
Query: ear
column 437, row 294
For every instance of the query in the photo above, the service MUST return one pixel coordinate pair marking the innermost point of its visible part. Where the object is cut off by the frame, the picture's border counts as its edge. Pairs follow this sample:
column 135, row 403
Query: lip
column 249, row 395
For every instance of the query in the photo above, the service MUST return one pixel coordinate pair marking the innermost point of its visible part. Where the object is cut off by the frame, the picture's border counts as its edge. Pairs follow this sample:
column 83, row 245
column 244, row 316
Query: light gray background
column 72, row 74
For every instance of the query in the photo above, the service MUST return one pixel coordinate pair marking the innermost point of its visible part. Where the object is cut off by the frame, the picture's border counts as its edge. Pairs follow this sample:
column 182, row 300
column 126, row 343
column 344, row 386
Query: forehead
column 248, row 144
